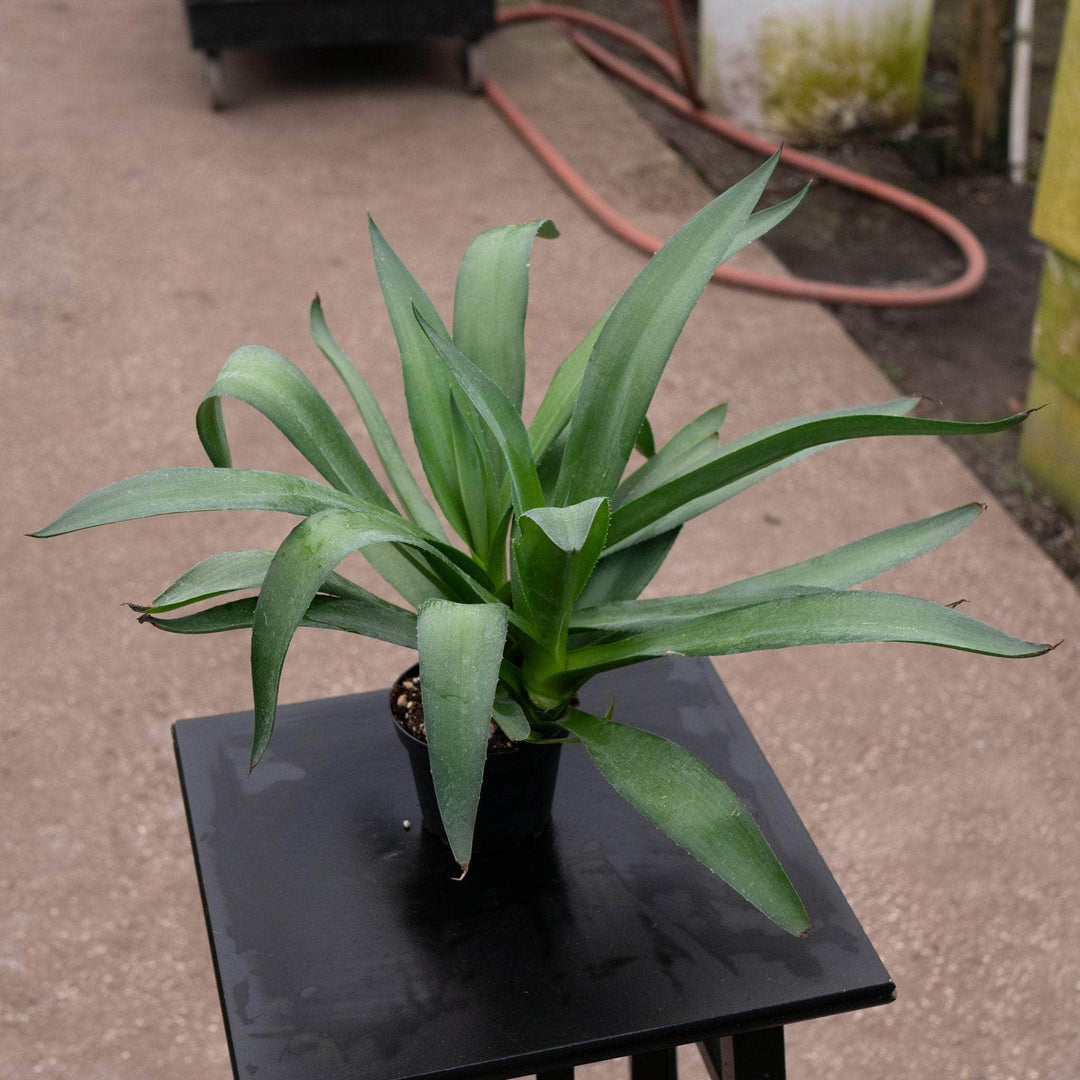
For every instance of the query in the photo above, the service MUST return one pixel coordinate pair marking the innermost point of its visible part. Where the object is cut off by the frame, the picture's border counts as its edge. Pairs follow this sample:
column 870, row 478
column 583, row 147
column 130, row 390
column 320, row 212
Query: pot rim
column 518, row 747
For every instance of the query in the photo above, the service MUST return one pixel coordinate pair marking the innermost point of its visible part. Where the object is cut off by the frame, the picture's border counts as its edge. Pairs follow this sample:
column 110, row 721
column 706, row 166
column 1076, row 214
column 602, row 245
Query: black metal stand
column 753, row 1055
column 216, row 25
column 343, row 949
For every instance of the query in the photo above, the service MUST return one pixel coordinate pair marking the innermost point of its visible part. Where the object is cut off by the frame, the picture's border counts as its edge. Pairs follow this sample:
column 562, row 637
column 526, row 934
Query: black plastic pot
column 516, row 797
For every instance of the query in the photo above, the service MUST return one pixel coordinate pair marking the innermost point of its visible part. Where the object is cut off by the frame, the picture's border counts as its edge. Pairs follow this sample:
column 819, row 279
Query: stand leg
column 754, row 1055
column 654, row 1065
column 472, row 66
column 214, row 78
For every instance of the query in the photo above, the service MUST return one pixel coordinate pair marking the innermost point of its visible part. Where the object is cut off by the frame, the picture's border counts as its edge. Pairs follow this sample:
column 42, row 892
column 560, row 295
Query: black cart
column 216, row 25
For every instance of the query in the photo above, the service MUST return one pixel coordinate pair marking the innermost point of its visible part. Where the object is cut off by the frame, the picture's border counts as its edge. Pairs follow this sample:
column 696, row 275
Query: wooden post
column 984, row 78
column 1050, row 441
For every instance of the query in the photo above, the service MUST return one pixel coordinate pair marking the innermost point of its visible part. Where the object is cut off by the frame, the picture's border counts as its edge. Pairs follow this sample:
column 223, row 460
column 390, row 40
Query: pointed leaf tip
column 707, row 819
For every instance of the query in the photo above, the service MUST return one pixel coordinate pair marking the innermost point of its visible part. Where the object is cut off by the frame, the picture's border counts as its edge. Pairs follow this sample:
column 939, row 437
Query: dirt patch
column 970, row 358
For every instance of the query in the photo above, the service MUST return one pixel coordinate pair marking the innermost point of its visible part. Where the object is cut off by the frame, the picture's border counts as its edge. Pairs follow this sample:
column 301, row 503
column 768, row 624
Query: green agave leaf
column 231, row 571
column 707, row 450
column 490, row 301
column 231, row 615
column 837, row 569
column 501, row 417
column 476, row 482
column 461, row 648
column 185, row 490
column 179, row 491
column 386, row 446
column 623, row 575
column 674, row 501
column 279, row 390
column 547, row 468
column 688, row 448
column 299, row 567
column 810, row 618
column 630, row 355
column 553, row 555
column 370, row 617
column 428, row 385
column 510, row 716
column 645, row 444
column 686, row 800
column 558, row 404
column 762, row 221
column 496, row 556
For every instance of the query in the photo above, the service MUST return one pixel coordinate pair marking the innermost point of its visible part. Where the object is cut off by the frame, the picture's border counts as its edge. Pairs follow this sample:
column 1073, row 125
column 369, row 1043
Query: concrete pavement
column 145, row 237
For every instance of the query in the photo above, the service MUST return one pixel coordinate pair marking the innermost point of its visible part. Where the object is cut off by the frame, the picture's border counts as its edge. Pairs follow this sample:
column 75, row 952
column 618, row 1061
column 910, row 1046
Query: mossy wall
column 1057, row 206
column 838, row 70
column 1050, row 441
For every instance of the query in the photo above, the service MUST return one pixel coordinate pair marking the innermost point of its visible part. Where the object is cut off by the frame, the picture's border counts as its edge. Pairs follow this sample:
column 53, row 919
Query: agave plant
column 560, row 537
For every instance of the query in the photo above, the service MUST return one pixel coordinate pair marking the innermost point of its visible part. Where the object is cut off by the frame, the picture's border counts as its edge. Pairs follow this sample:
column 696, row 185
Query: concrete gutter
column 145, row 238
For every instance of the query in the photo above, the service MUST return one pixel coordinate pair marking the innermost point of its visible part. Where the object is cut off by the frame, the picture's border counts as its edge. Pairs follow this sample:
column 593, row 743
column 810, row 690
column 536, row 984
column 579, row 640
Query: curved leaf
column 547, row 467
column 838, row 569
column 686, row 800
column 231, row 571
column 371, row 617
column 428, row 385
column 762, row 221
column 278, row 389
column 490, row 301
column 180, row 491
column 299, row 567
column 630, row 355
column 645, row 443
column 553, row 555
column 499, row 414
column 557, row 406
column 624, row 574
column 814, row 618
column 510, row 717
column 475, row 470
column 708, row 451
column 382, row 437
column 673, row 501
column 461, row 648
column 688, row 448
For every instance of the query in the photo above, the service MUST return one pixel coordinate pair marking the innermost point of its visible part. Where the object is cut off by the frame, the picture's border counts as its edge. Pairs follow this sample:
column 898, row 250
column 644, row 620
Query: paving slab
column 145, row 237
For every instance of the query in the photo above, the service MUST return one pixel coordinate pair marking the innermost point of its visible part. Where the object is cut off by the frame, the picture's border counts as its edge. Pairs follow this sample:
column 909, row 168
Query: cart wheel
column 472, row 63
column 214, row 78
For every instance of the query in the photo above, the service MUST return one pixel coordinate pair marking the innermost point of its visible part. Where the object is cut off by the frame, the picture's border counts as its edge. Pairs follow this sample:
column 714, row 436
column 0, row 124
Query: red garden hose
column 679, row 70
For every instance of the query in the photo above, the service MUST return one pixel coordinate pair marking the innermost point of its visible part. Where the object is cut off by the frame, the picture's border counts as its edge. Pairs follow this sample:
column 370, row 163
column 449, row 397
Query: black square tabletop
column 343, row 949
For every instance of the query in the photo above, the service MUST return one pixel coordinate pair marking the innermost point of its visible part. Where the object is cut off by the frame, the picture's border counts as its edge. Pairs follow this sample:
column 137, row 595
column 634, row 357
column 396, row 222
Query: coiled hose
column 685, row 102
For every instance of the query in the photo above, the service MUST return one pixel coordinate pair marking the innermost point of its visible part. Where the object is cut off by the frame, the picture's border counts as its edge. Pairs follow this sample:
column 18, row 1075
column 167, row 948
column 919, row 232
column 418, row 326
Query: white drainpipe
column 1020, row 95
